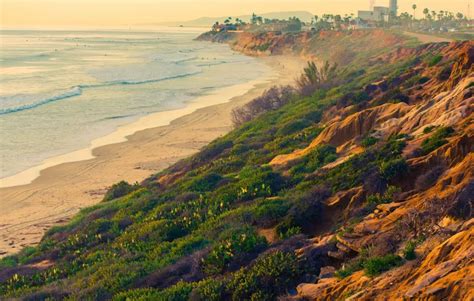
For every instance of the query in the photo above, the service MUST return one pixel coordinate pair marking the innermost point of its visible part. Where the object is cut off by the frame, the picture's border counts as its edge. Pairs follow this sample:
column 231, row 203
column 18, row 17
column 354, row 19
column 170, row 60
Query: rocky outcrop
column 437, row 203
column 351, row 128
column 450, row 107
column 446, row 273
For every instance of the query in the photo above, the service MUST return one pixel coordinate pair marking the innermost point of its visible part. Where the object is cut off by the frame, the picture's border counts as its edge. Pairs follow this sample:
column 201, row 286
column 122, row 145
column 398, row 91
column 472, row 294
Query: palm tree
column 254, row 19
column 414, row 11
column 426, row 12
column 460, row 16
column 440, row 15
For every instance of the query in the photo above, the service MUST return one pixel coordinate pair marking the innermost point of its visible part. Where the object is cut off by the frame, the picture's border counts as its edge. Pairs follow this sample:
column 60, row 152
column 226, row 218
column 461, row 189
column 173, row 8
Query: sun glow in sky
column 110, row 13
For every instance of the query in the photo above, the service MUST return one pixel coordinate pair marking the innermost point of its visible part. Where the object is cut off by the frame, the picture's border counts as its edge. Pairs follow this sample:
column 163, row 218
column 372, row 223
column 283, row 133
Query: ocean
column 60, row 90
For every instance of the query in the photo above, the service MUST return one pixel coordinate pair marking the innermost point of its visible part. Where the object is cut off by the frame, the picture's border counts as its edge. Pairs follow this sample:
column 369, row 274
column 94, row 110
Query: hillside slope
column 361, row 189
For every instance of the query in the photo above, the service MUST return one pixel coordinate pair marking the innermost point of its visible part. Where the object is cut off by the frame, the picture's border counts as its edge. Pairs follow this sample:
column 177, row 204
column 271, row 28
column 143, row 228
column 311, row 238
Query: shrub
column 358, row 97
column 8, row 262
column 376, row 265
column 119, row 190
column 395, row 95
column 258, row 182
column 239, row 244
column 269, row 212
column 205, row 183
column 289, row 232
column 270, row 276
column 177, row 292
column 272, row 99
column 387, row 197
column 393, row 168
column 306, row 209
column 433, row 60
column 314, row 78
column 263, row 47
column 349, row 269
column 314, row 116
column 293, row 126
column 214, row 149
column 209, row 290
column 369, row 141
column 318, row 157
column 436, row 140
column 240, row 149
column 409, row 251
column 428, row 129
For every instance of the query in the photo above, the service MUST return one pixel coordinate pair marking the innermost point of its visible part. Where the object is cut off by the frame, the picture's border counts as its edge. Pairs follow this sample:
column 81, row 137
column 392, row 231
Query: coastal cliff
column 358, row 186
column 340, row 47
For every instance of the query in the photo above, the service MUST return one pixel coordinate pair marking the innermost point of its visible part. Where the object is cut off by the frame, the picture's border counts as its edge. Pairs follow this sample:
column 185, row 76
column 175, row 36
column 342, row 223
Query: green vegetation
column 119, row 190
column 386, row 198
column 267, row 278
column 318, row 157
column 369, row 141
column 372, row 266
column 409, row 251
column 263, row 47
column 240, row 243
column 433, row 60
column 437, row 139
column 393, row 168
column 314, row 78
column 428, row 129
column 197, row 235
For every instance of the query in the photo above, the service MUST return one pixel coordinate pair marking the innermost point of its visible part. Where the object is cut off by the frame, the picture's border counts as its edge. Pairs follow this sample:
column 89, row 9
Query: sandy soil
column 60, row 191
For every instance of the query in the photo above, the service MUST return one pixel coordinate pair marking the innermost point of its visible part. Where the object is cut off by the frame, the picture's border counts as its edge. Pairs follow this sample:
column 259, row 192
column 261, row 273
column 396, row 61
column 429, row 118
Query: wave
column 181, row 61
column 214, row 63
column 117, row 117
column 77, row 91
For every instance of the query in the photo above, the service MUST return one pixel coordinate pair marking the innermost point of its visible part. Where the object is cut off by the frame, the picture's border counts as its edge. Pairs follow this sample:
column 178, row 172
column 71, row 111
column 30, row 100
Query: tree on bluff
column 314, row 78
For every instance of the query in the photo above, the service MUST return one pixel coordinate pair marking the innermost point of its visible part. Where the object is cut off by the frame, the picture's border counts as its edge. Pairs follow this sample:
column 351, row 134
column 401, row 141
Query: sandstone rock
column 327, row 272
column 388, row 207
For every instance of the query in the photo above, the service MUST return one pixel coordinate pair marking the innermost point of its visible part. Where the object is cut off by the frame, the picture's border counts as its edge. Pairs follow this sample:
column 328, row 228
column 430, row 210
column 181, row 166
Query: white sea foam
column 75, row 91
column 75, row 98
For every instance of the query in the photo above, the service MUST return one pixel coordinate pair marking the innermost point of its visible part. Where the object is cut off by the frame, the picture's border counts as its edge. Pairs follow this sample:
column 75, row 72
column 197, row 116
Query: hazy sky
column 97, row 13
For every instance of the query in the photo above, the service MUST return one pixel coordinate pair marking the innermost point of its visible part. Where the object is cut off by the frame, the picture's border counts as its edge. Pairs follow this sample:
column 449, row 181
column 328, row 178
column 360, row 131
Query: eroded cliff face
column 365, row 187
column 334, row 46
column 433, row 209
column 439, row 182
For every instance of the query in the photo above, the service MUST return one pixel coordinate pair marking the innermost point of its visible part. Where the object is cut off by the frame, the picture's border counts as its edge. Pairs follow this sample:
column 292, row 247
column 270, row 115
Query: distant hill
column 207, row 21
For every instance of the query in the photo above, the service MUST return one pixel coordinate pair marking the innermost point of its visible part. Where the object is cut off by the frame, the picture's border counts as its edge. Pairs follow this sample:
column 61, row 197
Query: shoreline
column 122, row 133
column 131, row 153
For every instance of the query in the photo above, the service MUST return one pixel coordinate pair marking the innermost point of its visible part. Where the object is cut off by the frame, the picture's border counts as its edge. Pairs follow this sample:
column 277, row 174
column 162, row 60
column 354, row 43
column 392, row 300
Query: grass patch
column 374, row 266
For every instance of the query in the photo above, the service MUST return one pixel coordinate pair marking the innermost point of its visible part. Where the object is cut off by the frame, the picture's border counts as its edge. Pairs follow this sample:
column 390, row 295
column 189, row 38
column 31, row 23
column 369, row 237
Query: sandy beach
column 152, row 144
